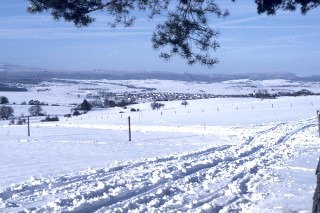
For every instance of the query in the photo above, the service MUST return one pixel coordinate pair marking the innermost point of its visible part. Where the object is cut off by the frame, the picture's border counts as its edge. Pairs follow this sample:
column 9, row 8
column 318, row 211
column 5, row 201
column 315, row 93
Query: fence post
column 28, row 127
column 129, row 128
column 316, row 195
column 318, row 117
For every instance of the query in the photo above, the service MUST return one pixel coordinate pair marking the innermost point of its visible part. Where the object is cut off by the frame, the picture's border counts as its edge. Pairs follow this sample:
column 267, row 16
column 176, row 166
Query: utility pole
column 129, row 128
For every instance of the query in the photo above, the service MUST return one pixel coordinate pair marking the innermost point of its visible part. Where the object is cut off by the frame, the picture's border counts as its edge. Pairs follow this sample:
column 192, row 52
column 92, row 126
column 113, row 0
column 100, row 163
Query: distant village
column 173, row 96
column 157, row 96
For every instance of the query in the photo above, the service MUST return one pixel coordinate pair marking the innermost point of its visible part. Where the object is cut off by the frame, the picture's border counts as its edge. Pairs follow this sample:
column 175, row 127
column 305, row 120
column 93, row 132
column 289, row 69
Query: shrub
column 155, row 105
column 21, row 121
column 48, row 118
column 76, row 113
column 263, row 94
column 109, row 103
column 118, row 103
column 11, row 121
column 124, row 103
column 96, row 104
column 4, row 100
column 34, row 102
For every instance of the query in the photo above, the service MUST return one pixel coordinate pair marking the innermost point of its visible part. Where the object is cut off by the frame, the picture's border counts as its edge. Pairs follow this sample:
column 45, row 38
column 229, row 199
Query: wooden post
column 318, row 117
column 129, row 129
column 28, row 127
column 316, row 195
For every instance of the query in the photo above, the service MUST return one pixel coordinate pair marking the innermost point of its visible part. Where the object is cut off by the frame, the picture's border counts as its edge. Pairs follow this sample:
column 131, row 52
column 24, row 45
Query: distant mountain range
column 13, row 73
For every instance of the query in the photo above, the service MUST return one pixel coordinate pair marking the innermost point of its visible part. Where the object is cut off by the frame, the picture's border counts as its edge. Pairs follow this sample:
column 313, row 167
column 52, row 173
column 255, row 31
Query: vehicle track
column 220, row 176
column 240, row 178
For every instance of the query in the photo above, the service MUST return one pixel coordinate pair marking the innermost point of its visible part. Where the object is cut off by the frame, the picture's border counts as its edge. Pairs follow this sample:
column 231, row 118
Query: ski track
column 210, row 180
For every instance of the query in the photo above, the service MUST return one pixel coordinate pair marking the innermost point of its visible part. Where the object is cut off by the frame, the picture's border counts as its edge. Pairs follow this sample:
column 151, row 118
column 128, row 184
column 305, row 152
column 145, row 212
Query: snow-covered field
column 223, row 154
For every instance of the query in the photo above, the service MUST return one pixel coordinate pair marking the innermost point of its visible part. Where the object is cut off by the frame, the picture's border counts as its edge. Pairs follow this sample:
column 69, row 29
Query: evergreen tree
column 186, row 31
column 85, row 105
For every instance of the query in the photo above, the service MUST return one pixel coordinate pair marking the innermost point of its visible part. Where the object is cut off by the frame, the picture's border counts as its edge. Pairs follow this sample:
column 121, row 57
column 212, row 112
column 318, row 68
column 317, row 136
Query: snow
column 215, row 155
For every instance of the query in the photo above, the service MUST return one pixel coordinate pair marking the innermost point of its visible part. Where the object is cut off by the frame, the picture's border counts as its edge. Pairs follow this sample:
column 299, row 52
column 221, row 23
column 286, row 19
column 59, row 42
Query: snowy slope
column 215, row 155
column 226, row 177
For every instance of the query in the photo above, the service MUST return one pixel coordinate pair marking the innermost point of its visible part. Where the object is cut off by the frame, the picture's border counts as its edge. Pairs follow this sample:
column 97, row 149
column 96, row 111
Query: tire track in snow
column 188, row 173
column 243, row 178
column 92, row 207
column 60, row 184
column 141, row 186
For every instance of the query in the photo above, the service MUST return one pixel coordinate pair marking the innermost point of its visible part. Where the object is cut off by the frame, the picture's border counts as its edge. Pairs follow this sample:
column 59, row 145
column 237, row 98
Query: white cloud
column 58, row 33
column 243, row 20
column 44, row 27
column 262, row 27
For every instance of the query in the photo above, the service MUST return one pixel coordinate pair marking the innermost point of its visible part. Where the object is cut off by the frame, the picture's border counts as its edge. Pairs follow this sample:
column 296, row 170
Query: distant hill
column 10, row 73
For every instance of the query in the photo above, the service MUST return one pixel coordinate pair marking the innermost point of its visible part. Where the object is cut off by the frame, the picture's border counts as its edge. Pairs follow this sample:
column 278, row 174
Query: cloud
column 262, row 27
column 44, row 27
column 243, row 20
column 32, row 20
column 62, row 33
column 296, row 39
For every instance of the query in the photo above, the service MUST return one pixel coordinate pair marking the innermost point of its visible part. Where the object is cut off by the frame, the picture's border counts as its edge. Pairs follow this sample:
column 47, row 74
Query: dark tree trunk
column 316, row 196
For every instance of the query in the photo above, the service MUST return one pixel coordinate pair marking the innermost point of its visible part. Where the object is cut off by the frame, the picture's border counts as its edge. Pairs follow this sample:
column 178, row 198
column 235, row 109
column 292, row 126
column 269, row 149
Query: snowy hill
column 10, row 71
column 212, row 155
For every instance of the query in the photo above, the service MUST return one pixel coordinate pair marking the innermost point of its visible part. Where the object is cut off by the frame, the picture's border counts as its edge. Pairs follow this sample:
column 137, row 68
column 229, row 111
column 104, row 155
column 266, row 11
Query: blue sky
column 287, row 42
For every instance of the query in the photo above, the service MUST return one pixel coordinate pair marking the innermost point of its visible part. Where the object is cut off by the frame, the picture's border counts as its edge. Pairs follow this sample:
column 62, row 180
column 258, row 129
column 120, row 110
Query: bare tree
column 6, row 112
column 184, row 103
column 35, row 110
column 156, row 105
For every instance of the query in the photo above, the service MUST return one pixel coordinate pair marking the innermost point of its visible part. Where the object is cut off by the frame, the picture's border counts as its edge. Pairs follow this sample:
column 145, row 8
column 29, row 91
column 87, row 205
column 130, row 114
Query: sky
column 250, row 43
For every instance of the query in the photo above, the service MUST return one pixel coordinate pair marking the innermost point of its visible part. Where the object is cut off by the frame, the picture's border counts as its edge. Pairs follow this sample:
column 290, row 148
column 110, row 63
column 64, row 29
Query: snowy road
column 226, row 178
